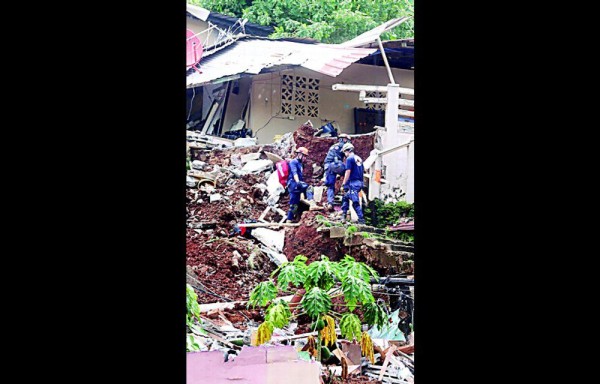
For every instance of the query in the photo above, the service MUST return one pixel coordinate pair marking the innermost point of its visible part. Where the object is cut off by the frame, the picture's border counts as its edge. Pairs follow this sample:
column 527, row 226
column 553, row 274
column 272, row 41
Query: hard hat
column 302, row 150
column 347, row 146
column 344, row 135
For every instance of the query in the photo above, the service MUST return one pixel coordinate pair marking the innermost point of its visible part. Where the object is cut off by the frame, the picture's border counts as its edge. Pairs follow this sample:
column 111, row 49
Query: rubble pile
column 235, row 239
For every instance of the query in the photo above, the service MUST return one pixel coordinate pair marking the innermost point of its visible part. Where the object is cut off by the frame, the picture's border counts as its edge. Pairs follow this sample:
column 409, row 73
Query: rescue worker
column 296, row 184
column 334, row 166
column 353, row 182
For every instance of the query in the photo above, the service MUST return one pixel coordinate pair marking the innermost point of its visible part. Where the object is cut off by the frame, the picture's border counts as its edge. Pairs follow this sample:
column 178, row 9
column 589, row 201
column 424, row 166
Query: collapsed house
column 252, row 87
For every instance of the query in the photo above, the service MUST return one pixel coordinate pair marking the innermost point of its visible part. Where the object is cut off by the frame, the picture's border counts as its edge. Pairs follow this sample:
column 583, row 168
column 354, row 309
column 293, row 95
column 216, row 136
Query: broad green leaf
column 375, row 315
column 315, row 302
column 350, row 267
column 350, row 326
column 356, row 290
column 278, row 314
column 321, row 274
column 262, row 294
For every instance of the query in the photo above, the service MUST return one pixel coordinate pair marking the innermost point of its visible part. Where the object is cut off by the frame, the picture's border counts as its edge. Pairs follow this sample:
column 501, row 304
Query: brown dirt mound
column 319, row 146
column 211, row 258
column 305, row 240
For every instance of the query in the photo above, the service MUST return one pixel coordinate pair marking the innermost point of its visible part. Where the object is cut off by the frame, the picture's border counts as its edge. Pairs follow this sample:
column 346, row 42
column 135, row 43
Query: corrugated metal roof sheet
column 199, row 12
column 374, row 33
column 251, row 55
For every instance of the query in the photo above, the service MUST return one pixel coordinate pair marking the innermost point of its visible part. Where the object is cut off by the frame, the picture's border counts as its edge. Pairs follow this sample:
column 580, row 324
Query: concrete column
column 410, row 188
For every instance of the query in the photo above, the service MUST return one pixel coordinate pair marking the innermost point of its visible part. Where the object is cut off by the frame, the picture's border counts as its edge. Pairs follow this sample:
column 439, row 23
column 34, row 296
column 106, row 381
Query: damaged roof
column 400, row 54
column 373, row 34
column 250, row 55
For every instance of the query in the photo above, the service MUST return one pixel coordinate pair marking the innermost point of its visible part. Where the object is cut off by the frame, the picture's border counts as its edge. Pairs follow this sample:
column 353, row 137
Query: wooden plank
column 387, row 379
column 257, row 225
column 386, row 362
column 263, row 214
column 211, row 114
column 221, row 340
column 230, row 305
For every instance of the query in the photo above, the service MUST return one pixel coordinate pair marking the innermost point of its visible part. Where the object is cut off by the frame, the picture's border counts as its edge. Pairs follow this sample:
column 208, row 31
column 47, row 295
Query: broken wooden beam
column 230, row 305
column 263, row 214
column 256, row 225
column 213, row 335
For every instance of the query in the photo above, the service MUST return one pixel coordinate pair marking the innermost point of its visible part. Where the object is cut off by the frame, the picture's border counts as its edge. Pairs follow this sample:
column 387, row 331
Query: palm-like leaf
column 278, row 314
column 350, row 326
column 321, row 274
column 356, row 290
column 375, row 315
column 350, row 267
column 315, row 302
column 262, row 294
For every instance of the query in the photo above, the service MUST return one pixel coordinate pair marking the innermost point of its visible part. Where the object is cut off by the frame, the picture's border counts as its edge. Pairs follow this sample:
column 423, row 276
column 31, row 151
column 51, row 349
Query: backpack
column 283, row 171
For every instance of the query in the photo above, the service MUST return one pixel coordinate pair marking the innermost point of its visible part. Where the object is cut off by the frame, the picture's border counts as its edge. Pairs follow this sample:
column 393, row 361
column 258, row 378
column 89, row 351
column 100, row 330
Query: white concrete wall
column 267, row 122
column 398, row 166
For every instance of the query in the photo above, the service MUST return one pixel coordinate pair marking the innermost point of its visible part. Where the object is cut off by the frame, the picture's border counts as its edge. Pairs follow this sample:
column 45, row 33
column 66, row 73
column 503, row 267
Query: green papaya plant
column 322, row 280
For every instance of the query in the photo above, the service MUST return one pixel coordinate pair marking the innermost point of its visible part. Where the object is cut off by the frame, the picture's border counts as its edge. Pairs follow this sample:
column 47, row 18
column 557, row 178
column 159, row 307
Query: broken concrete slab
column 197, row 164
column 276, row 257
column 337, row 232
column 202, row 175
column 354, row 239
column 236, row 159
column 249, row 157
column 270, row 238
column 238, row 172
column 373, row 243
column 244, row 142
column 255, row 166
column 215, row 197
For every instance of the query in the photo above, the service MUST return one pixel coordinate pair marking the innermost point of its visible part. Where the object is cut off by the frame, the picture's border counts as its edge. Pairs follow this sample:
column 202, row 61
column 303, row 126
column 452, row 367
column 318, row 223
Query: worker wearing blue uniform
column 353, row 182
column 296, row 184
column 334, row 166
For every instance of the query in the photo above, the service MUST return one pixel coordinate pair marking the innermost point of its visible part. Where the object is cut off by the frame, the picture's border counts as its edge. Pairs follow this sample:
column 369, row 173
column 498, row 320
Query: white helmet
column 348, row 146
